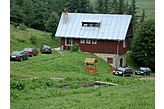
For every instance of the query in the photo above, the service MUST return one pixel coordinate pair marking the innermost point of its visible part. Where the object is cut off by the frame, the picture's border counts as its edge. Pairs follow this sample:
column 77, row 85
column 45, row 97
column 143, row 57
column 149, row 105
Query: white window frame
column 71, row 42
column 94, row 41
column 88, row 41
column 82, row 41
column 124, row 43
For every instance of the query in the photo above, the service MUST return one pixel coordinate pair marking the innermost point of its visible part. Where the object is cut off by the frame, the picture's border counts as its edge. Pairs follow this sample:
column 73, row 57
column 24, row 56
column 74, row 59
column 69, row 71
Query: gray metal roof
column 112, row 26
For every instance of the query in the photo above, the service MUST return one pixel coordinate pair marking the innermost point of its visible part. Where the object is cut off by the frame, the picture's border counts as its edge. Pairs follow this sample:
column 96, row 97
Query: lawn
column 45, row 93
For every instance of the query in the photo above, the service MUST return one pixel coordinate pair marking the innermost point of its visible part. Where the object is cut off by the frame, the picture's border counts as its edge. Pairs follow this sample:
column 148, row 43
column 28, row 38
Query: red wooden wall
column 102, row 46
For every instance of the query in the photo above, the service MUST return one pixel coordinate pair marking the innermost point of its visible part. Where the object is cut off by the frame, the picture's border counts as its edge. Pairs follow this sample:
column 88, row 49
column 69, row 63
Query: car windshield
column 142, row 68
column 121, row 68
column 46, row 46
column 28, row 49
column 15, row 53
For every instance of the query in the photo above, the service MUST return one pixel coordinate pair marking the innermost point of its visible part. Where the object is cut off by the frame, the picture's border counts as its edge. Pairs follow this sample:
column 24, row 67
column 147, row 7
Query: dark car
column 143, row 71
column 45, row 49
column 19, row 56
column 31, row 51
column 124, row 71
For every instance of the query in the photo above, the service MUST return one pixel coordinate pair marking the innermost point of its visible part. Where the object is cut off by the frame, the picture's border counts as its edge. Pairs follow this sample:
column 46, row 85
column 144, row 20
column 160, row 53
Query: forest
column 44, row 15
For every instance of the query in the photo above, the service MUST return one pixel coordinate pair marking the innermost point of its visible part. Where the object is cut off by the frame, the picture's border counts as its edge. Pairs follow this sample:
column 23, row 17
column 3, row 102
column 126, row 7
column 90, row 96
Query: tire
column 21, row 59
column 27, row 58
column 131, row 75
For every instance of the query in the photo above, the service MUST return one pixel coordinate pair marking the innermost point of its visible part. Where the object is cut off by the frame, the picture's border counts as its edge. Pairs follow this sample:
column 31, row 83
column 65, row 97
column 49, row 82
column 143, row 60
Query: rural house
column 105, row 35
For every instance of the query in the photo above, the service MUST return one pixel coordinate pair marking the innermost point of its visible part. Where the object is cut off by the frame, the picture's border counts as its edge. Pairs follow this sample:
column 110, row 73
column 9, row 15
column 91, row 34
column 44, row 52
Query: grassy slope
column 130, row 93
column 19, row 39
column 148, row 5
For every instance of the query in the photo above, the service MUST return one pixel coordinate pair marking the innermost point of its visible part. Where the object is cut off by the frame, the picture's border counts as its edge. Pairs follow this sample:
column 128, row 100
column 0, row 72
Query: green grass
column 45, row 93
column 147, row 5
column 19, row 39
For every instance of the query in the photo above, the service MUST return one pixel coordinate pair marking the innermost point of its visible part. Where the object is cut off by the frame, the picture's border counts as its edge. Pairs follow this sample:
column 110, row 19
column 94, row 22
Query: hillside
column 19, row 39
column 148, row 5
column 50, row 81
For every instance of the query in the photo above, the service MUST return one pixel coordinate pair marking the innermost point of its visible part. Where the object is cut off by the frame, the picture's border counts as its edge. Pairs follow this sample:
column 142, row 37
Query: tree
column 99, row 6
column 16, row 14
column 73, row 5
column 52, row 23
column 133, row 10
column 83, row 6
column 143, row 16
column 143, row 45
column 121, row 7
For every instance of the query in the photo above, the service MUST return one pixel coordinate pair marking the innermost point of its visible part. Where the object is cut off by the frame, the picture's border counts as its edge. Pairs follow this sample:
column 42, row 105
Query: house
column 105, row 35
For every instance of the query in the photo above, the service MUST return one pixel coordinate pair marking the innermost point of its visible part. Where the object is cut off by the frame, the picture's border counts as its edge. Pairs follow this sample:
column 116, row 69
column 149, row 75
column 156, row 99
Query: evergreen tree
column 121, row 7
column 52, row 23
column 143, row 16
column 16, row 14
column 73, row 5
column 106, row 7
column 133, row 11
column 84, row 6
column 143, row 45
column 114, row 7
column 99, row 6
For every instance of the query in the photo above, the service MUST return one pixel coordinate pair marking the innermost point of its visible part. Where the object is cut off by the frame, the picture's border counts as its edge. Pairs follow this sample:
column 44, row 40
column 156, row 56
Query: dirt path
column 147, row 78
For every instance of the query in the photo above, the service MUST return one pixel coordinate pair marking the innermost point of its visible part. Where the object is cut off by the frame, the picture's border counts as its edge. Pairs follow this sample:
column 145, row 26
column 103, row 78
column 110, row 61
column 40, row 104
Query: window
column 110, row 60
column 94, row 41
column 82, row 41
column 124, row 43
column 68, row 42
column 90, row 23
column 88, row 41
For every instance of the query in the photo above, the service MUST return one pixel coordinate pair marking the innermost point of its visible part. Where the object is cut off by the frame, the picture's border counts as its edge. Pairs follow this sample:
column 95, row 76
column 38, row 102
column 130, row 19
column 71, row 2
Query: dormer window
column 90, row 23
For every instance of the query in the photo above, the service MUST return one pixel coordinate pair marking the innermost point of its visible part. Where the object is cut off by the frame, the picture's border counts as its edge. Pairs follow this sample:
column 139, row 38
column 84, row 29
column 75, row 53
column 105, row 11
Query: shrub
column 17, row 84
column 33, row 39
column 22, row 27
column 75, row 47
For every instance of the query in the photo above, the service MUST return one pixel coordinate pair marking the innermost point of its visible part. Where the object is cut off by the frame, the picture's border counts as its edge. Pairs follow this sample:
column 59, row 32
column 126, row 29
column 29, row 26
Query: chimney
column 65, row 16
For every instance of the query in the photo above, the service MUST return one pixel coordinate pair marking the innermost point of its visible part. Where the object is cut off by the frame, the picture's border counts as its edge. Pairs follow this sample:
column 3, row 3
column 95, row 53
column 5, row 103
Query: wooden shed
column 90, row 65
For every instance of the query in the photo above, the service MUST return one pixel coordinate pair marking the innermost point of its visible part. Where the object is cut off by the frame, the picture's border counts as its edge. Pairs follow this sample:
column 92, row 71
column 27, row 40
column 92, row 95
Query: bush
column 17, row 84
column 22, row 27
column 33, row 39
column 75, row 47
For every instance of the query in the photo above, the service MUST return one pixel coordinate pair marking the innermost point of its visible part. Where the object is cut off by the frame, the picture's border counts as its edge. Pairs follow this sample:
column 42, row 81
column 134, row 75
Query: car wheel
column 131, row 75
column 21, row 59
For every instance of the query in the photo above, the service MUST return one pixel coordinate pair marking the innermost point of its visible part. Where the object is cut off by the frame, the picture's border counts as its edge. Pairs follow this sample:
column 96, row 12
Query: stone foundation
column 112, row 59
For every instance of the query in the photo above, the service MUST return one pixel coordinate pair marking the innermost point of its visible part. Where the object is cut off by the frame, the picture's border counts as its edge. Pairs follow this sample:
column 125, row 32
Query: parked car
column 143, row 71
column 31, row 51
column 124, row 71
column 45, row 49
column 19, row 56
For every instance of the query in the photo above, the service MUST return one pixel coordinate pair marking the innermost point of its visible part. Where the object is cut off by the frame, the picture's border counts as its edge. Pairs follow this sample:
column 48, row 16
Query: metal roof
column 112, row 26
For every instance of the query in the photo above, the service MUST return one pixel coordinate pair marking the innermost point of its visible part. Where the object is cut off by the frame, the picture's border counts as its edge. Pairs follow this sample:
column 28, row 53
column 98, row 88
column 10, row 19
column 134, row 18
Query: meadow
column 50, row 81
column 147, row 5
